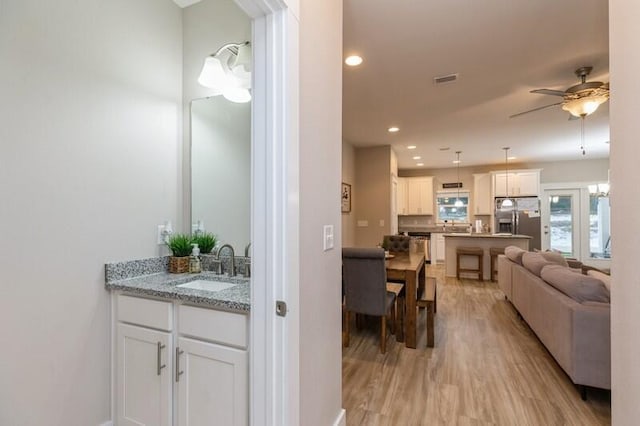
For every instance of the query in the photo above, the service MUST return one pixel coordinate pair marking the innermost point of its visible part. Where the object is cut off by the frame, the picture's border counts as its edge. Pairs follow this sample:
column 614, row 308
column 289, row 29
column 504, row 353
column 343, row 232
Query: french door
column 561, row 226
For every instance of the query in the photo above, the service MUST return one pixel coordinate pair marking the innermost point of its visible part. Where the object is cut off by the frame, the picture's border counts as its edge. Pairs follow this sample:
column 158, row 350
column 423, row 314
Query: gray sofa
column 567, row 310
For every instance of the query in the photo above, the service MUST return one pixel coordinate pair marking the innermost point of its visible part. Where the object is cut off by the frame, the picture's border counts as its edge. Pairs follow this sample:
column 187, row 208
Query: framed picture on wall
column 346, row 197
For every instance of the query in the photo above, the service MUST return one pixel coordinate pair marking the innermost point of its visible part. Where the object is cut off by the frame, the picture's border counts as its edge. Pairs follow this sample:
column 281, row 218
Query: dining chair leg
column 393, row 317
column 383, row 334
column 346, row 329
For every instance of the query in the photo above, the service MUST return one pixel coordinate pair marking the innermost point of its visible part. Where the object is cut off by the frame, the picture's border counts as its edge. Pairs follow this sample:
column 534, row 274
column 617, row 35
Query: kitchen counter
column 484, row 241
column 148, row 277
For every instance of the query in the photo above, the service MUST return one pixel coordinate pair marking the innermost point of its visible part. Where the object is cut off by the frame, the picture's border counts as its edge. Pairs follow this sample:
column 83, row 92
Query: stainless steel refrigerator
column 522, row 219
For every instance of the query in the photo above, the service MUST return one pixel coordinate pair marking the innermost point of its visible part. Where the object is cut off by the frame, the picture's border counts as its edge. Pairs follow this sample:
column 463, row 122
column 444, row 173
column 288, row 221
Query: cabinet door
column 214, row 386
column 401, row 197
column 414, row 204
column 528, row 183
column 426, row 192
column 143, row 375
column 482, row 194
column 500, row 183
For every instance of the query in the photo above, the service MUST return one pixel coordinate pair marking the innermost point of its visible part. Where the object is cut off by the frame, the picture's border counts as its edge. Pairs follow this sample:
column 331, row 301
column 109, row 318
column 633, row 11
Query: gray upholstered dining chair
column 365, row 285
column 396, row 243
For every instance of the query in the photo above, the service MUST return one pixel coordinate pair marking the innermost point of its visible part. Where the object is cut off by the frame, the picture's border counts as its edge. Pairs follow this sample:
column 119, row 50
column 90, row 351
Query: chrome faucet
column 232, row 272
column 247, row 261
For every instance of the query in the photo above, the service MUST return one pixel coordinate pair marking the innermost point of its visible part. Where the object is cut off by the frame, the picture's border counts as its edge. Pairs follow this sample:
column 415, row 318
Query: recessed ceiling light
column 445, row 148
column 419, row 164
column 511, row 158
column 456, row 161
column 353, row 60
column 393, row 129
column 411, row 147
column 417, row 157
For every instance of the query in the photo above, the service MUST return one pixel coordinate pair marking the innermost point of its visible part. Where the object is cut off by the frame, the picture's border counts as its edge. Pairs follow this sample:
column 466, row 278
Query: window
column 448, row 211
column 599, row 222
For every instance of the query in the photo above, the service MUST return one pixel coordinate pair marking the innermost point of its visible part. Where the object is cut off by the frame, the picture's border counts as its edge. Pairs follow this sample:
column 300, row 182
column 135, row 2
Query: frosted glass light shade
column 212, row 74
column 458, row 203
column 236, row 94
column 507, row 202
column 582, row 107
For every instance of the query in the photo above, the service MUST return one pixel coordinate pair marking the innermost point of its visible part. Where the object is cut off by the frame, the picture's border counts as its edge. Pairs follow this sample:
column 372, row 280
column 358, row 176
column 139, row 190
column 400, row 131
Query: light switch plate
column 327, row 232
column 381, row 222
column 363, row 223
column 160, row 235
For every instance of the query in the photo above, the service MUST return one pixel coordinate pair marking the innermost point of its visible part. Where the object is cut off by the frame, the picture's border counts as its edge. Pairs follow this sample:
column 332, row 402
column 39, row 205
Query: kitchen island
column 484, row 241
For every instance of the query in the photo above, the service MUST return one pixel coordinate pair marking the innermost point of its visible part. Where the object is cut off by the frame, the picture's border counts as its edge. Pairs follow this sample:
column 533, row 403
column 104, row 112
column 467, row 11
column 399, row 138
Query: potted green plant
column 180, row 245
column 206, row 241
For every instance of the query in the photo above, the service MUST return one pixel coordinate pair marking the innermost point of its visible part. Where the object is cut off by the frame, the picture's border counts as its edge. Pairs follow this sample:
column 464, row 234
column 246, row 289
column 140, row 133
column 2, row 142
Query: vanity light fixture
column 228, row 72
column 458, row 202
column 507, row 202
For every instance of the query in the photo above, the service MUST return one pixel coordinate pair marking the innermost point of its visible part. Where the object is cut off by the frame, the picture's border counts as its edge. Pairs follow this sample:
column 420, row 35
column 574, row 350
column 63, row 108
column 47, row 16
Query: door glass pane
column 599, row 229
column 560, row 223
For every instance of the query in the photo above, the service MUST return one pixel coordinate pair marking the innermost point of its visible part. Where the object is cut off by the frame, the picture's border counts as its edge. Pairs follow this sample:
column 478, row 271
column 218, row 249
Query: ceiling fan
column 579, row 100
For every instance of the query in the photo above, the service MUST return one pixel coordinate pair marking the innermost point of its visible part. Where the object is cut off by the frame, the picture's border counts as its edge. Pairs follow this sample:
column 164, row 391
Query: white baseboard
column 109, row 423
column 341, row 420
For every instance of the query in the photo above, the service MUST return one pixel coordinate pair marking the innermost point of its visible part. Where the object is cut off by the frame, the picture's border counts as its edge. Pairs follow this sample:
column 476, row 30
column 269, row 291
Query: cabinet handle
column 178, row 372
column 159, row 357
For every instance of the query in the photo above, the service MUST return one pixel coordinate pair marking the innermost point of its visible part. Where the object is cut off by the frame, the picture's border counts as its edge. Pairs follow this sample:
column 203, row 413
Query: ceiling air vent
column 446, row 78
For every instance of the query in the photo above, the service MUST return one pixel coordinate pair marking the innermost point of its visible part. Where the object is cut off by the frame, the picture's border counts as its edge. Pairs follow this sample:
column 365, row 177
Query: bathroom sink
column 206, row 285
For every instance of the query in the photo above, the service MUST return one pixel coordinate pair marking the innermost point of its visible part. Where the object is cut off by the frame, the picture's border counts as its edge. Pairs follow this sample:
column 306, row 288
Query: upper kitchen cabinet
column 482, row 203
column 401, row 196
column 419, row 195
column 521, row 183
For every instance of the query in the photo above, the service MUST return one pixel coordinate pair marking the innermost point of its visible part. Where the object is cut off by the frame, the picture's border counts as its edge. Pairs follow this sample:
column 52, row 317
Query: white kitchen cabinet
column 521, row 183
column 482, row 194
column 420, row 195
column 401, row 196
column 169, row 353
column 437, row 247
column 212, row 384
column 144, row 380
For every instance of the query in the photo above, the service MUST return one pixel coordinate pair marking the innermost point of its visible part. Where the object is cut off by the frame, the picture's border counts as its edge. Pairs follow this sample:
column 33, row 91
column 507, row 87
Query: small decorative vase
column 178, row 265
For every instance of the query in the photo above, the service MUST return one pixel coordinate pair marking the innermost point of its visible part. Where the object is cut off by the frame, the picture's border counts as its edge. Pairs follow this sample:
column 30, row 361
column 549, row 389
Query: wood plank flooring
column 487, row 367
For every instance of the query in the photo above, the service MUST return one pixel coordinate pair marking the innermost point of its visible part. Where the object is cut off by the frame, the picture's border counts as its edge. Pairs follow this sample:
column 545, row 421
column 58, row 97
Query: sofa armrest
column 591, row 349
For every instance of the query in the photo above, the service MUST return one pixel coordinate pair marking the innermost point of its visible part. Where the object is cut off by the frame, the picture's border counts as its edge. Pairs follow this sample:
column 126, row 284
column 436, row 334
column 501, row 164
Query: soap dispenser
column 195, row 265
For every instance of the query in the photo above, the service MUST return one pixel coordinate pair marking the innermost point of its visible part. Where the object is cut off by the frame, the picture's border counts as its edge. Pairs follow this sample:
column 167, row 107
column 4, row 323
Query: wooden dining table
column 409, row 268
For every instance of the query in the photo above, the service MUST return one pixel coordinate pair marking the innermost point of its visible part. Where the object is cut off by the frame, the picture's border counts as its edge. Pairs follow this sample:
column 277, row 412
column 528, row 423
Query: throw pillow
column 555, row 257
column 514, row 254
column 534, row 262
column 606, row 279
column 581, row 288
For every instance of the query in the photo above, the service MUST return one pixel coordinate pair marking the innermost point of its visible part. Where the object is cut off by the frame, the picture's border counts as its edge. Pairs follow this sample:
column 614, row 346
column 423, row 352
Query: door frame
column 274, row 344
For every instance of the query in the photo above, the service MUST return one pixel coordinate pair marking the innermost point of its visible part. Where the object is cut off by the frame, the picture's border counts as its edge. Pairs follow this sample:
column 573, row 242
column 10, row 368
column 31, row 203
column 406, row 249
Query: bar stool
column 470, row 251
column 494, row 252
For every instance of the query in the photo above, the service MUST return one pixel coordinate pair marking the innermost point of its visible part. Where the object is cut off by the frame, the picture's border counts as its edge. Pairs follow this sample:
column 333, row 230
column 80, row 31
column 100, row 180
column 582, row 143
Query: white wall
column 90, row 123
column 221, row 169
column 349, row 176
column 625, row 204
column 207, row 26
column 320, row 166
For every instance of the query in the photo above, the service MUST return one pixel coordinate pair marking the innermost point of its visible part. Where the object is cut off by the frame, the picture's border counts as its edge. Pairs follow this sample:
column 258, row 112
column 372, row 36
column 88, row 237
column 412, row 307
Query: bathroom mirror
column 221, row 169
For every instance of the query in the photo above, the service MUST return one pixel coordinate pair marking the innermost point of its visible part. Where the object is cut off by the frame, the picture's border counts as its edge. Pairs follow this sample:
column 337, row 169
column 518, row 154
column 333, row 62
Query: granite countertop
column 474, row 235
column 148, row 277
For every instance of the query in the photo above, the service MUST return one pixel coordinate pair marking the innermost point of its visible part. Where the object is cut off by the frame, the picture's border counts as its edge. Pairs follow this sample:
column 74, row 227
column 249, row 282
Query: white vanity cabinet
column 179, row 364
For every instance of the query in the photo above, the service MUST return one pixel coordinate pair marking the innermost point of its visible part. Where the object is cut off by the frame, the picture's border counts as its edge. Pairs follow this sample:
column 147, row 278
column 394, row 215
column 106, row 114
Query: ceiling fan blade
column 535, row 109
column 573, row 117
column 548, row 92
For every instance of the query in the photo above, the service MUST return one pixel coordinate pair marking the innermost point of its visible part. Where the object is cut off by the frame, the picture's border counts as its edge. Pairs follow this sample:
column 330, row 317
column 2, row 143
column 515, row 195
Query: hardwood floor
column 487, row 367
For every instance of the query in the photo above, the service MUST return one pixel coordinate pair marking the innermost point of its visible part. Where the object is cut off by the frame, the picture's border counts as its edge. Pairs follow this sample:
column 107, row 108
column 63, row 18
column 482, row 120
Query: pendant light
column 458, row 202
column 507, row 202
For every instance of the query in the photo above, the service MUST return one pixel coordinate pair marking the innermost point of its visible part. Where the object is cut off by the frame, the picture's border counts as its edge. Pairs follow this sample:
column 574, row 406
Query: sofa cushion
column 534, row 262
column 579, row 287
column 514, row 254
column 606, row 279
column 555, row 257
